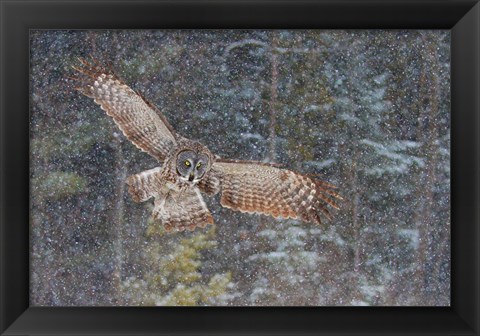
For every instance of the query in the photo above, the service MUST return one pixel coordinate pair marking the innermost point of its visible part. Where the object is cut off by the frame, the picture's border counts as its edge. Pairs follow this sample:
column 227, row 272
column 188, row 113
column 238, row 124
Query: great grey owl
column 189, row 169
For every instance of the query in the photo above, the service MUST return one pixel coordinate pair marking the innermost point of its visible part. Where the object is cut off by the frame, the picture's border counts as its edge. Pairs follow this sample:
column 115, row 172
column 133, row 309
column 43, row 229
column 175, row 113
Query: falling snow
column 367, row 111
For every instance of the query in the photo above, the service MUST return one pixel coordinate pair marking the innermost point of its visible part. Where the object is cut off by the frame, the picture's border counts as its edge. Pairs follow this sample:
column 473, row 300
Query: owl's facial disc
column 191, row 166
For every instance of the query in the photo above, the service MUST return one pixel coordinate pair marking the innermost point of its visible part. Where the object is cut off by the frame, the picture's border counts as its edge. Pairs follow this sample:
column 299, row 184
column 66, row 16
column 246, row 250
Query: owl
column 188, row 170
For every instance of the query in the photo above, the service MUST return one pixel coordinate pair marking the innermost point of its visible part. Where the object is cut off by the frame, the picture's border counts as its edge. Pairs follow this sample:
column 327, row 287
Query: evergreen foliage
column 367, row 111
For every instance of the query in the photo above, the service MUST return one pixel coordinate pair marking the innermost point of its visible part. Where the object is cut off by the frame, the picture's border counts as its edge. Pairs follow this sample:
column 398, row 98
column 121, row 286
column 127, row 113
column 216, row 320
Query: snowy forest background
column 369, row 111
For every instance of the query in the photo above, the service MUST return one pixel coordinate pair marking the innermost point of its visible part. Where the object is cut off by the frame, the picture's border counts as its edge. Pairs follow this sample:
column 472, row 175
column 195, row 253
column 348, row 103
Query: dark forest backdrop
column 369, row 111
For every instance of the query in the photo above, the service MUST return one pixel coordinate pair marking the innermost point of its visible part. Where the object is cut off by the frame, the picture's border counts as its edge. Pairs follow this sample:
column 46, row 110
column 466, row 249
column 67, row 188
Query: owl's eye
column 187, row 163
column 199, row 165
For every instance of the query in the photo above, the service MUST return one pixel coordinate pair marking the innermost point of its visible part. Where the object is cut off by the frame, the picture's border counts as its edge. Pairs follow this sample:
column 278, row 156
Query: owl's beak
column 191, row 177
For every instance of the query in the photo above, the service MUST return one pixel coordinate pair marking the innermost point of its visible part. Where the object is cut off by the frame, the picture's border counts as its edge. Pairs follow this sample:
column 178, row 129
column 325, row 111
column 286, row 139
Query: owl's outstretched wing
column 140, row 121
column 263, row 188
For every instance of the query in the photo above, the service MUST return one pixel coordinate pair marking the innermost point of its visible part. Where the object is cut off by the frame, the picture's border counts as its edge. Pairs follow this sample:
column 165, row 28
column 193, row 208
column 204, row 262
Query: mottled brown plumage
column 139, row 121
column 190, row 169
column 273, row 191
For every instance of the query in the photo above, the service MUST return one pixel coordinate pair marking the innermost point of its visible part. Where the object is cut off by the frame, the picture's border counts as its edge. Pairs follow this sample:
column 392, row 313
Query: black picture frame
column 17, row 17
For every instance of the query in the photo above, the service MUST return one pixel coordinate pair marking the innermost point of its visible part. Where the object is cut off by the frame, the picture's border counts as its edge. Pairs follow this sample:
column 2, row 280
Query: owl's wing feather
column 140, row 121
column 145, row 185
column 266, row 189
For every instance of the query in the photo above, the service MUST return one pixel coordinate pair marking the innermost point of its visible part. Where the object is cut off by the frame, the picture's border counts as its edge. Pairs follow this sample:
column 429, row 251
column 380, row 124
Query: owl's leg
column 166, row 208
column 159, row 208
column 172, row 199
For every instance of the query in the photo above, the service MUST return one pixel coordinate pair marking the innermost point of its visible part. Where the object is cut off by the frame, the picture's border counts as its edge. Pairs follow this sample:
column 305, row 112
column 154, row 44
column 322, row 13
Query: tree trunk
column 356, row 226
column 117, row 218
column 273, row 97
column 427, row 176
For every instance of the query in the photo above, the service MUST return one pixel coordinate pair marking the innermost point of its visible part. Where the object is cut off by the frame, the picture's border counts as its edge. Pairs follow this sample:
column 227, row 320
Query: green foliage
column 69, row 141
column 174, row 276
column 56, row 185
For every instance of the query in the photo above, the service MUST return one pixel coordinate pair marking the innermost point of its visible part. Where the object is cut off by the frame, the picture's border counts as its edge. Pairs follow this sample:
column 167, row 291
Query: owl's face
column 192, row 166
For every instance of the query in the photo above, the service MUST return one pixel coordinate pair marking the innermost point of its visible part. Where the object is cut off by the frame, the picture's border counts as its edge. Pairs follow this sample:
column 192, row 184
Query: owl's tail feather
column 176, row 210
column 182, row 210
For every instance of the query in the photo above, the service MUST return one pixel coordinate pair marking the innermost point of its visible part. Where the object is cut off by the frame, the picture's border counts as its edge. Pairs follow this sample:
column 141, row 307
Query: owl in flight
column 188, row 169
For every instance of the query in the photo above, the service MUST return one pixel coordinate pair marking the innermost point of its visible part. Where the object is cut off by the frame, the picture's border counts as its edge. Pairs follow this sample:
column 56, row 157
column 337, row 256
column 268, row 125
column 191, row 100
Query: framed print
column 333, row 147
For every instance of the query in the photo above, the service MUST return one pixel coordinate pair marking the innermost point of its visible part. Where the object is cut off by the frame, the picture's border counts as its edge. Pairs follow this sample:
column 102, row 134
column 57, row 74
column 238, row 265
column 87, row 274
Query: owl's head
column 193, row 161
